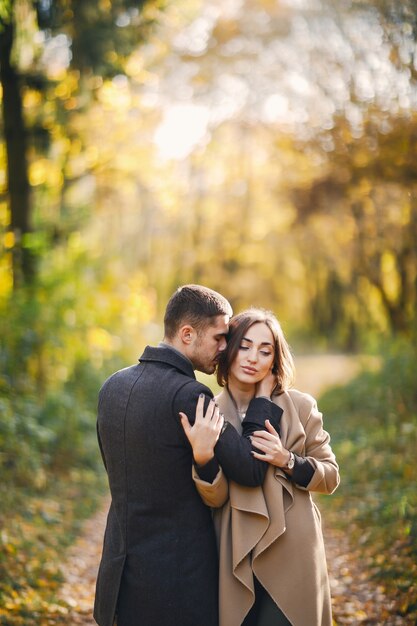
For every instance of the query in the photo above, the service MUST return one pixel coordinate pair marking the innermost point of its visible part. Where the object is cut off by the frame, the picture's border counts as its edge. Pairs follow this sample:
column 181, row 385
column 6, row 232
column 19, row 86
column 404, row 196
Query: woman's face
column 255, row 355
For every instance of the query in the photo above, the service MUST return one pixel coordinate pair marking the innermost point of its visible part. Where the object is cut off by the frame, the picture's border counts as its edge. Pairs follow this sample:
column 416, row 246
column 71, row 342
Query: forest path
column 357, row 600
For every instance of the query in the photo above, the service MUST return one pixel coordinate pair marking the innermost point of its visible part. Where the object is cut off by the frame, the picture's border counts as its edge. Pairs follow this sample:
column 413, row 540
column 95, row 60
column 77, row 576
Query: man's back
column 159, row 549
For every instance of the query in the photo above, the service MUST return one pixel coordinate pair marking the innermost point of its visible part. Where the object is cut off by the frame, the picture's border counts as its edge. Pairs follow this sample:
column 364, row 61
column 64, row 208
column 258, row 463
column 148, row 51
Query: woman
column 272, row 560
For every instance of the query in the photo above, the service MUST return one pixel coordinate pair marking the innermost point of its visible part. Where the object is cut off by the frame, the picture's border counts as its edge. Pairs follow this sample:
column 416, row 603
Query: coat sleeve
column 101, row 402
column 233, row 451
column 213, row 494
column 101, row 447
column 318, row 451
column 186, row 401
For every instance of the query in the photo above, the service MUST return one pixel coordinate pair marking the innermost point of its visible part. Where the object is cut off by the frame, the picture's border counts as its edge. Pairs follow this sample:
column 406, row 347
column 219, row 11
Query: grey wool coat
column 159, row 564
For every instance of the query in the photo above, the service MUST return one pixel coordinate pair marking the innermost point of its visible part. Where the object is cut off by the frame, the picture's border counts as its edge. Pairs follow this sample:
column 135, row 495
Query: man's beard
column 206, row 368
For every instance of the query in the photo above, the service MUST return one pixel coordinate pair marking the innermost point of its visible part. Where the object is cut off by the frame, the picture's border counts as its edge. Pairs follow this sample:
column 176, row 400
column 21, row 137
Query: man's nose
column 222, row 344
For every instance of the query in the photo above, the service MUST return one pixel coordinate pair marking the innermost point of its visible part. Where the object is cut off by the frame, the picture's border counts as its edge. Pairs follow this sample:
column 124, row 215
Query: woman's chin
column 248, row 380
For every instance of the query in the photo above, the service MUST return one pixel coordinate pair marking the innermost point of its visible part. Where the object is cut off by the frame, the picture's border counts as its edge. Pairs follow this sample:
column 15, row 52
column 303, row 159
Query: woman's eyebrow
column 263, row 343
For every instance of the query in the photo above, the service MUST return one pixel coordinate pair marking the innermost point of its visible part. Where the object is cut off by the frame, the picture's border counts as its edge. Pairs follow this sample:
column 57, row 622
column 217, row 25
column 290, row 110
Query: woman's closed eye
column 263, row 352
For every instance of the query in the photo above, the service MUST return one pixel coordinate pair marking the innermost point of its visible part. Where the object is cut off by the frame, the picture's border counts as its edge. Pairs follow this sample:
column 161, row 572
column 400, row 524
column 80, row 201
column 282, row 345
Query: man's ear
column 187, row 334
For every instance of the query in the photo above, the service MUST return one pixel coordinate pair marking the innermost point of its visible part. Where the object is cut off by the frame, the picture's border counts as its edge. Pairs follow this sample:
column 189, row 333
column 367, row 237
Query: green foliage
column 373, row 422
column 57, row 346
column 5, row 12
column 49, row 460
column 55, row 352
column 102, row 34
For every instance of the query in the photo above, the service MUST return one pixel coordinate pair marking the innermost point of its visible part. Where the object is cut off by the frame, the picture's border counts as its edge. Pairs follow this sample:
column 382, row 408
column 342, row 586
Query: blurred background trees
column 266, row 148
column 85, row 41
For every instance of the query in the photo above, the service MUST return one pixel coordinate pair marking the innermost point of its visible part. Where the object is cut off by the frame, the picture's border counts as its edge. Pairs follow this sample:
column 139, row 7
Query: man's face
column 208, row 345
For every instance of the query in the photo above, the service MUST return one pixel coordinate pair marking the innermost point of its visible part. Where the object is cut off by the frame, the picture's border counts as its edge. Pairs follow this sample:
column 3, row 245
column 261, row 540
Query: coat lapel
column 285, row 543
column 257, row 516
column 292, row 431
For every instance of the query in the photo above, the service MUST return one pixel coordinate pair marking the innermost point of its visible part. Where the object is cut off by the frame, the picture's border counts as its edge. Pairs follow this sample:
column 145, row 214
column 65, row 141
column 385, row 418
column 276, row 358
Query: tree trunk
column 16, row 152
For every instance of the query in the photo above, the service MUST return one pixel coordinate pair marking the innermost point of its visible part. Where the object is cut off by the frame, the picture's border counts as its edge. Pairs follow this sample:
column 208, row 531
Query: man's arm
column 233, row 451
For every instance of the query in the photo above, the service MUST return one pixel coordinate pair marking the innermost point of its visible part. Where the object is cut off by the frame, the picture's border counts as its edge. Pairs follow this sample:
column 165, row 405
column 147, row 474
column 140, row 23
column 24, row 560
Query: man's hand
column 205, row 431
column 269, row 442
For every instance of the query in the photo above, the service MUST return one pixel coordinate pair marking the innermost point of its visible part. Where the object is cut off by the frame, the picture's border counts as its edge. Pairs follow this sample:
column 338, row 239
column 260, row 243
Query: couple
column 170, row 457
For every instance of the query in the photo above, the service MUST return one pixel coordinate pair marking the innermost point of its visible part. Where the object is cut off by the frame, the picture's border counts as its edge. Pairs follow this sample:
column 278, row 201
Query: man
column 159, row 563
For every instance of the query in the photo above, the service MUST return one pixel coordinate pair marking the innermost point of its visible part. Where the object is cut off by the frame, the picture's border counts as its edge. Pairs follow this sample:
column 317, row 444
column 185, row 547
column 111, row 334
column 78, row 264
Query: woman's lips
column 249, row 370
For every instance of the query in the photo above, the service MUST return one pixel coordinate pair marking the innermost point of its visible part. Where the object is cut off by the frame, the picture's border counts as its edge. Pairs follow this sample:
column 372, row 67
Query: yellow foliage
column 369, row 294
column 112, row 57
column 114, row 96
column 92, row 155
column 32, row 98
column 76, row 146
column 390, row 276
column 135, row 65
column 361, row 158
column 43, row 170
column 62, row 90
column 71, row 104
column 100, row 339
column 6, row 277
column 3, row 178
column 9, row 239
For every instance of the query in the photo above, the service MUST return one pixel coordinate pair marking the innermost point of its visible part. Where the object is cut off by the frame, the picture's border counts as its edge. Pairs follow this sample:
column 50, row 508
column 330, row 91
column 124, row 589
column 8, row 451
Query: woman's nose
column 252, row 355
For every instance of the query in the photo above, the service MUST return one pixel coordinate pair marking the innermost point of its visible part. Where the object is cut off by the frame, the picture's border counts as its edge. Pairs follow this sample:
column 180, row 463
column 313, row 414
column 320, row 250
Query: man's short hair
column 194, row 305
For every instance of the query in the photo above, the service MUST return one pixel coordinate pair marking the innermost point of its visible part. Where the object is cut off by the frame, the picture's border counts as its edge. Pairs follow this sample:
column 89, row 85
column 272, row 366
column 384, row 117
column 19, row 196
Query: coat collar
column 168, row 356
column 228, row 408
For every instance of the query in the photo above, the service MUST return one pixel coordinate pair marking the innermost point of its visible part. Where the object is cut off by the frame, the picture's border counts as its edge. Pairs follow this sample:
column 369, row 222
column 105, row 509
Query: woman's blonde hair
column 283, row 365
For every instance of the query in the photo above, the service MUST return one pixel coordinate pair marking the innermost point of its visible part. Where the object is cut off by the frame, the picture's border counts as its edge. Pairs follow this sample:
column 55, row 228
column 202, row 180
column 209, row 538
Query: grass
column 373, row 423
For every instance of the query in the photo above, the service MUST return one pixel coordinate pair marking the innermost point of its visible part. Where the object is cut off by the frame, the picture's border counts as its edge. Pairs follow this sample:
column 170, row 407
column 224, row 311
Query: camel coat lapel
column 274, row 531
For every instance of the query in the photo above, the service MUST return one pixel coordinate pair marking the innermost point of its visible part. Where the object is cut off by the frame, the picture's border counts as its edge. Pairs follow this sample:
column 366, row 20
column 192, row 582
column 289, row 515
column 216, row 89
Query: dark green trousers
column 264, row 612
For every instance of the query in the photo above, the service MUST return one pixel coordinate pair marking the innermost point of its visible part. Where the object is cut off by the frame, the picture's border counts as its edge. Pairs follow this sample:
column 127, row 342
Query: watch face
column 291, row 462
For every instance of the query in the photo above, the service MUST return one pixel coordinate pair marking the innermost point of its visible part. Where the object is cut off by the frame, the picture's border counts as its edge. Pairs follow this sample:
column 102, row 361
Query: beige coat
column 274, row 531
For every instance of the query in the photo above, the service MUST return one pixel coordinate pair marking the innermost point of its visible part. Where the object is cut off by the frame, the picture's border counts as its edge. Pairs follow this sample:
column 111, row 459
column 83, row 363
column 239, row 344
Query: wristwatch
column 291, row 462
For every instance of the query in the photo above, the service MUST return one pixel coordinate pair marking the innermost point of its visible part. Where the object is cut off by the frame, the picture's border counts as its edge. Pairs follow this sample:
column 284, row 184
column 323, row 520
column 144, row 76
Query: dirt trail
column 356, row 600
column 315, row 373
column 80, row 570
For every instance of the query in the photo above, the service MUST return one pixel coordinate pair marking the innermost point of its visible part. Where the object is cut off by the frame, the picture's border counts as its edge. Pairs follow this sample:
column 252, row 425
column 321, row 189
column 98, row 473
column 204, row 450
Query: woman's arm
column 318, row 469
column 215, row 493
column 232, row 450
column 319, row 453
